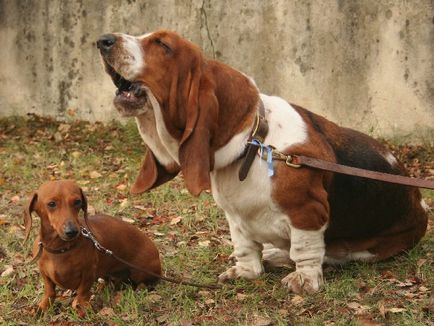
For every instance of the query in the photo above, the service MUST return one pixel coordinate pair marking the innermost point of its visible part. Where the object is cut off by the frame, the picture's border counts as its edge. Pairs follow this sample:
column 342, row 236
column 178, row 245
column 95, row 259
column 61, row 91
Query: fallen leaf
column 358, row 308
column 395, row 310
column 8, row 271
column 95, row 175
column 204, row 243
column 124, row 203
column 209, row 302
column 158, row 234
column 185, row 322
column 15, row 199
column 163, row 318
column 297, row 299
column 242, row 296
column 204, row 293
column 63, row 127
column 57, row 136
column 141, row 207
column 121, row 187
column 262, row 321
column 175, row 220
column 128, row 220
column 106, row 312
column 153, row 297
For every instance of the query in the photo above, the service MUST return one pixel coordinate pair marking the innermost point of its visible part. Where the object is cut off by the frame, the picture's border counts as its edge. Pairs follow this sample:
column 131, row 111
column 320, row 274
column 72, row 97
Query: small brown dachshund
column 70, row 260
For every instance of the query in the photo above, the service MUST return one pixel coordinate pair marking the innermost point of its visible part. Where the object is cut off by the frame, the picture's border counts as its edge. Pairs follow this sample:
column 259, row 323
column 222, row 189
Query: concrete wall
column 366, row 64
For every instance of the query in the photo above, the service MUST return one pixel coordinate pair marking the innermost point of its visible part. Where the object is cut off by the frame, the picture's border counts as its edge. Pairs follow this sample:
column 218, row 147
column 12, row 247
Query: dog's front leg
column 307, row 251
column 81, row 300
column 49, row 294
column 247, row 253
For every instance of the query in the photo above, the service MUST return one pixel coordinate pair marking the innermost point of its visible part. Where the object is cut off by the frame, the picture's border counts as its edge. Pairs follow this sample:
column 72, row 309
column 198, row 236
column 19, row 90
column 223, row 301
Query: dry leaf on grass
column 175, row 220
column 95, row 175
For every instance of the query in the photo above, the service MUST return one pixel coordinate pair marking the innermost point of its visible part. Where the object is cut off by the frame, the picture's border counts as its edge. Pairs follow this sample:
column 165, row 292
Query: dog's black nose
column 106, row 42
column 70, row 230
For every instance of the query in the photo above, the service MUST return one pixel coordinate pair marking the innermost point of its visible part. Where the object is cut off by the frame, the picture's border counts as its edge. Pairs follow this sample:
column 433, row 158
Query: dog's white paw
column 238, row 272
column 299, row 282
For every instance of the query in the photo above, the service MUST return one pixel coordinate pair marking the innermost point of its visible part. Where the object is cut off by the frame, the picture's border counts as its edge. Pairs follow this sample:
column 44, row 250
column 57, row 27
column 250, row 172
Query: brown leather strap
column 42, row 247
column 348, row 170
column 259, row 132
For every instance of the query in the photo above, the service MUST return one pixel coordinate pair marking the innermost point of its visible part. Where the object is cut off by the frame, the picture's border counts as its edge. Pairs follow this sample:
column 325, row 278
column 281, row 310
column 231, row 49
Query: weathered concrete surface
column 365, row 64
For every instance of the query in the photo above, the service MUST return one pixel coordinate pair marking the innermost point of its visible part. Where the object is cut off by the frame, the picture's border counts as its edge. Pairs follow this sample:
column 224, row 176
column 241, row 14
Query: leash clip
column 288, row 162
column 87, row 234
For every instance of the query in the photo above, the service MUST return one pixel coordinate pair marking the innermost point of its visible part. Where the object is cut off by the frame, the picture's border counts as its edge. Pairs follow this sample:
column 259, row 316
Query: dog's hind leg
column 275, row 257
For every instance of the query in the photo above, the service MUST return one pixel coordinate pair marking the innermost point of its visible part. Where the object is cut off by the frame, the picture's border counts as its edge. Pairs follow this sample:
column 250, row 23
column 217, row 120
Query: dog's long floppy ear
column 83, row 203
column 201, row 115
column 28, row 215
column 152, row 174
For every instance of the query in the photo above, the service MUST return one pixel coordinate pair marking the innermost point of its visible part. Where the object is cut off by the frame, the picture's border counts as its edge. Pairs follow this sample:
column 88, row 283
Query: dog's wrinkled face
column 58, row 204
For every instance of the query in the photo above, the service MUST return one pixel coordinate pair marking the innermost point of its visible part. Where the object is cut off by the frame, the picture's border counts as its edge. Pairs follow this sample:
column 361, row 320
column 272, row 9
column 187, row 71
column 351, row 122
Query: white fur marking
column 232, row 150
column 425, row 205
column 170, row 143
column 148, row 131
column 141, row 37
column 286, row 127
column 132, row 61
column 391, row 159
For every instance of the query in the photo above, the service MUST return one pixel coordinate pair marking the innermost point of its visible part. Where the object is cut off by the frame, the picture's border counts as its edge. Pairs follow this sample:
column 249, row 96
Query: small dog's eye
column 52, row 204
column 78, row 203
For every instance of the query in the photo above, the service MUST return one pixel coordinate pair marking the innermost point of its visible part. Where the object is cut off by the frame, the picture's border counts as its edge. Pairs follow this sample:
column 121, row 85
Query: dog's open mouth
column 130, row 97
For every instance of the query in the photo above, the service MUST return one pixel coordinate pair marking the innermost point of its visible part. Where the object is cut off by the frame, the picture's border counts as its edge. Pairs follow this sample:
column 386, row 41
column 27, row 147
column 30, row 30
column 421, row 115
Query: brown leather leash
column 297, row 161
column 257, row 138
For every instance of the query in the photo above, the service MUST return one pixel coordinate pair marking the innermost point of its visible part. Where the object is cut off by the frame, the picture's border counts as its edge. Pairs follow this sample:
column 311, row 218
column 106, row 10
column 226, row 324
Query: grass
column 193, row 238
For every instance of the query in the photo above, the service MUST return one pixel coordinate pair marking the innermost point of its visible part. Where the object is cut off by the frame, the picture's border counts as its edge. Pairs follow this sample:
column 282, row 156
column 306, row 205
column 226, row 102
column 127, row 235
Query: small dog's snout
column 106, row 42
column 70, row 230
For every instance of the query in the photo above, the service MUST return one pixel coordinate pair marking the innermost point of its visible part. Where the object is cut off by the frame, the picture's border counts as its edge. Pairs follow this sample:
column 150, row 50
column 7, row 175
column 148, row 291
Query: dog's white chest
column 248, row 204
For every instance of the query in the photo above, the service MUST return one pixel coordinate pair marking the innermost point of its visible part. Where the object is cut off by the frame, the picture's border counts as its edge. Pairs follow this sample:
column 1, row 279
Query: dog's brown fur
column 80, row 266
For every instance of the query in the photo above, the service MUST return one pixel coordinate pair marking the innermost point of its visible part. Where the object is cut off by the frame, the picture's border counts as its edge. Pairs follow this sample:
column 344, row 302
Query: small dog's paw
column 299, row 282
column 81, row 306
column 238, row 272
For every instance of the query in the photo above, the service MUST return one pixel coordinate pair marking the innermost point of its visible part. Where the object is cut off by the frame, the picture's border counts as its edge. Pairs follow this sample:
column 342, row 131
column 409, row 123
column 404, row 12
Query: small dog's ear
column 84, row 203
column 28, row 215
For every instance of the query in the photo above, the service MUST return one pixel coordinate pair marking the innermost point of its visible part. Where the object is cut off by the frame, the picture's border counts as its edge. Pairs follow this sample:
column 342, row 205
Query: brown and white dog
column 195, row 116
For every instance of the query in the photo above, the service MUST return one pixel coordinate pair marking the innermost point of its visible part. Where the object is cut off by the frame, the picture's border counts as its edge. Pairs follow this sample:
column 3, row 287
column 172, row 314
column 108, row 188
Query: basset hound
column 196, row 116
